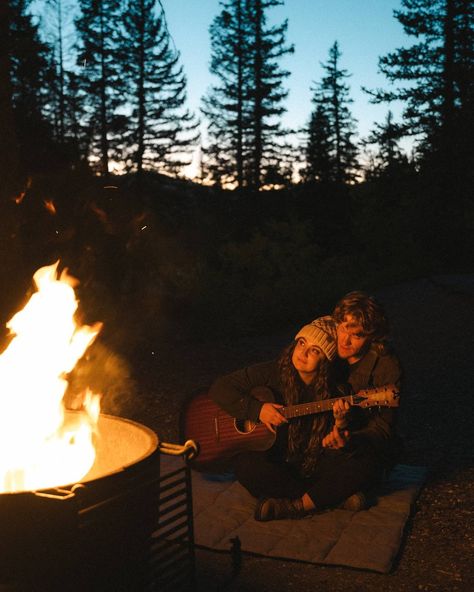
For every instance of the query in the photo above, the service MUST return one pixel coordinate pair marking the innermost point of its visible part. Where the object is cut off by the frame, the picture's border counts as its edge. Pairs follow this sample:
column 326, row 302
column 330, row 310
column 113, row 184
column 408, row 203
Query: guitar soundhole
column 244, row 426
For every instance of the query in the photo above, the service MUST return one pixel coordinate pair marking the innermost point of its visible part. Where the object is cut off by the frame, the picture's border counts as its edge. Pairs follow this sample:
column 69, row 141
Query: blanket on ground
column 370, row 539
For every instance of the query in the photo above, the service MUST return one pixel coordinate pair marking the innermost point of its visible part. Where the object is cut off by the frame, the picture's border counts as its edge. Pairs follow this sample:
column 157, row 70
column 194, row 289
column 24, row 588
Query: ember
column 41, row 445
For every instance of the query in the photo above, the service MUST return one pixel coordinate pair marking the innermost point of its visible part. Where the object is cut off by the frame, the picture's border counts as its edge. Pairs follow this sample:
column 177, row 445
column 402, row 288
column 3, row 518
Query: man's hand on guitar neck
column 271, row 417
column 339, row 436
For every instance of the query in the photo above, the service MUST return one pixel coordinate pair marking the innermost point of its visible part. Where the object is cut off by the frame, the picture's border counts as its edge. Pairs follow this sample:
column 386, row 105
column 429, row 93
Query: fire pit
column 82, row 502
column 98, row 534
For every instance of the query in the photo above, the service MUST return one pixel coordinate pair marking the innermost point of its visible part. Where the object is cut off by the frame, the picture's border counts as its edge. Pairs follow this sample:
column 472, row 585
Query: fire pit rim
column 151, row 451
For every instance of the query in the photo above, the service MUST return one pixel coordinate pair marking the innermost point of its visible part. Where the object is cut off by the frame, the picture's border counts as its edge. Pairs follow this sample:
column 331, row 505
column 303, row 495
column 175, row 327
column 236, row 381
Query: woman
column 301, row 473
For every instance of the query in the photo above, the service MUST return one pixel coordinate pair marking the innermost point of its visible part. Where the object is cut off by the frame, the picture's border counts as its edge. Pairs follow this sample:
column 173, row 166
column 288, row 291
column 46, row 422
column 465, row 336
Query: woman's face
column 306, row 359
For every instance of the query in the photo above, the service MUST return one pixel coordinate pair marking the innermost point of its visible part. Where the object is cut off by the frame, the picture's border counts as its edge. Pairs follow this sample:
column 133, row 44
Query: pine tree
column 318, row 148
column 76, row 124
column 162, row 131
column 332, row 146
column 267, row 94
column 9, row 153
column 245, row 136
column 57, row 19
column 30, row 77
column 434, row 78
column 226, row 105
column 435, row 75
column 389, row 157
column 101, row 78
column 65, row 108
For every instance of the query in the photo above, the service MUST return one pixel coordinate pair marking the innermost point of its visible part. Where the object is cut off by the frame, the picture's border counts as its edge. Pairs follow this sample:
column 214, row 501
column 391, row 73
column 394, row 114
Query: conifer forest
column 274, row 223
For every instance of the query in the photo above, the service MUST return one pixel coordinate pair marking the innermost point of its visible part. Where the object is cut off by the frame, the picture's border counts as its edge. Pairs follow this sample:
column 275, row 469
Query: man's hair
column 367, row 311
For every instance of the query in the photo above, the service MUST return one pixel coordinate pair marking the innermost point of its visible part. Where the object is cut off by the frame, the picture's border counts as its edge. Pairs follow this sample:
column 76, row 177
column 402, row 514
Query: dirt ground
column 433, row 330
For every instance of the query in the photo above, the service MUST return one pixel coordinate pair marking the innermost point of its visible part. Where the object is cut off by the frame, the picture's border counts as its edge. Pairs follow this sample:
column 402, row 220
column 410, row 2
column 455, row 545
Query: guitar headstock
column 384, row 396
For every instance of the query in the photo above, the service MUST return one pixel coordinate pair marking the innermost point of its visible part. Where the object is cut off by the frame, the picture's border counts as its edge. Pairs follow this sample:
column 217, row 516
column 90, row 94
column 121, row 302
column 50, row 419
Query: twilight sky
column 364, row 29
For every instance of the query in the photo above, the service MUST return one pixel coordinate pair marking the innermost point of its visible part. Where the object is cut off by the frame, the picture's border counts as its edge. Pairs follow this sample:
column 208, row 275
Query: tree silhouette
column 267, row 94
column 65, row 107
column 318, row 148
column 9, row 152
column 30, row 77
column 245, row 136
column 101, row 78
column 434, row 77
column 331, row 151
column 389, row 158
column 161, row 132
column 226, row 105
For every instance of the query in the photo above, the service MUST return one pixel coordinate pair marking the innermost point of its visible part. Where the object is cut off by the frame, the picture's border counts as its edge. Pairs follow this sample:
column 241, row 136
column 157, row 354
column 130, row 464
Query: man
column 366, row 361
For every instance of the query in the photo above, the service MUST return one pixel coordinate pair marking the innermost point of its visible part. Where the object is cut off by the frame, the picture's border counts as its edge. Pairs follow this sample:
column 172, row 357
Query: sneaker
column 278, row 509
column 356, row 502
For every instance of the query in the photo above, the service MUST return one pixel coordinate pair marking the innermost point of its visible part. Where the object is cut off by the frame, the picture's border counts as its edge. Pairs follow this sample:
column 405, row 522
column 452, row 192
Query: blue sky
column 364, row 29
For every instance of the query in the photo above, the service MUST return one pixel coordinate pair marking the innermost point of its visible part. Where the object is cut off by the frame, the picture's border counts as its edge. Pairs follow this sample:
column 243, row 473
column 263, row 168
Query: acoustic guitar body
column 218, row 435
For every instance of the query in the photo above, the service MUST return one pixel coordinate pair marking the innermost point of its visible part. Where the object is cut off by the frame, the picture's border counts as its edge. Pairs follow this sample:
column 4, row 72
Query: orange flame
column 38, row 448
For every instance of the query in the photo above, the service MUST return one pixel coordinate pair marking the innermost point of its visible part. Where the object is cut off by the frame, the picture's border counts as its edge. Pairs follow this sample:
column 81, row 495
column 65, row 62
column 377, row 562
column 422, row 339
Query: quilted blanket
column 370, row 539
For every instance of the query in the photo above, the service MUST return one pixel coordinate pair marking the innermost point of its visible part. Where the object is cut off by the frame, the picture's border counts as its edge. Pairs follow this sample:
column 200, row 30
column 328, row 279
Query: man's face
column 351, row 339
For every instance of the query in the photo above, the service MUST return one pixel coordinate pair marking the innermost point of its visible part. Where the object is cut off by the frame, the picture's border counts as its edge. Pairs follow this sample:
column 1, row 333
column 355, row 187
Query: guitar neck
column 386, row 396
column 313, row 407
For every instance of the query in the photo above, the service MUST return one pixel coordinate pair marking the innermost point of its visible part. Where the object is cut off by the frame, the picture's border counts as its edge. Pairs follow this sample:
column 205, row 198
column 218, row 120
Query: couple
column 325, row 460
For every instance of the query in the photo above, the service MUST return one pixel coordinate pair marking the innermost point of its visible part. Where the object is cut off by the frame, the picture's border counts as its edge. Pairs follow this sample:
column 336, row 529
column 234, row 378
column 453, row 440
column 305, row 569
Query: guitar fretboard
column 313, row 407
column 386, row 396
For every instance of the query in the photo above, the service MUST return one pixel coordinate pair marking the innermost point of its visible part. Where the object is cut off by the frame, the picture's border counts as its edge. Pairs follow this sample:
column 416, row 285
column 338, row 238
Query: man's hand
column 340, row 410
column 271, row 417
column 336, row 438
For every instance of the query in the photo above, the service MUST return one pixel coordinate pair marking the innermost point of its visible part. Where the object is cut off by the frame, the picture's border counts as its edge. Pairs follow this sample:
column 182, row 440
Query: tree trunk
column 9, row 153
column 258, row 64
column 104, row 143
column 448, row 98
column 141, row 94
column 240, row 100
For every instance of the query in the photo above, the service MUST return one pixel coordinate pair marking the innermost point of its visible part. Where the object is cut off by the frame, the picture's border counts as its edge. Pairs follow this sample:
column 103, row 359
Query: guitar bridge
column 216, row 428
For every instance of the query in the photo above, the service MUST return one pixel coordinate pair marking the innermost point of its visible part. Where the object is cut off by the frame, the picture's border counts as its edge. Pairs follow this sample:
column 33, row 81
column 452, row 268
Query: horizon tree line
column 124, row 101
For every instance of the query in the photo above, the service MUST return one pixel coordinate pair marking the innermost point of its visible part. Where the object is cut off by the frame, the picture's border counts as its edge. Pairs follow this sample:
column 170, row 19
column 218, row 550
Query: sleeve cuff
column 254, row 409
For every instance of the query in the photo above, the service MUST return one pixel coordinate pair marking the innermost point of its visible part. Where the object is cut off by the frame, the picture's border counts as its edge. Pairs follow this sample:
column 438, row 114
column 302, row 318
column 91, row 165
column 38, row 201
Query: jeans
column 337, row 475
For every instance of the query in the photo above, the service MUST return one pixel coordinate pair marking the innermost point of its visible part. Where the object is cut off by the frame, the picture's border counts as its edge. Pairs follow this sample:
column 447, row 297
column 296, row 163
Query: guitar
column 220, row 436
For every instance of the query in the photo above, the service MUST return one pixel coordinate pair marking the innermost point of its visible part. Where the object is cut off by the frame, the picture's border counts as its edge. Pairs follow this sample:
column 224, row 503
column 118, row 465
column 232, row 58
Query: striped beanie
column 322, row 333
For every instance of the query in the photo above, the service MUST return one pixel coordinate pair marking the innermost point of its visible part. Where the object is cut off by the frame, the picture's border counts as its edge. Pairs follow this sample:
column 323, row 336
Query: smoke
column 107, row 373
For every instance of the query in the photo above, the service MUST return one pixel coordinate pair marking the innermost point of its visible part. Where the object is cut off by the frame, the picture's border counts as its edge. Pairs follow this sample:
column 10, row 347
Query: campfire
column 83, row 505
column 41, row 445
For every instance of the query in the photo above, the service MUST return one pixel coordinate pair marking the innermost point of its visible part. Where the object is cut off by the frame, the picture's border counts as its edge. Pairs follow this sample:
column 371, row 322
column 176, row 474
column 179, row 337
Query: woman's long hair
column 305, row 433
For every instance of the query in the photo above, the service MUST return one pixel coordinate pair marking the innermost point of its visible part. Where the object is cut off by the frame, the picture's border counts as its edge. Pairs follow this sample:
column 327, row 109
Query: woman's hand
column 271, row 417
column 336, row 438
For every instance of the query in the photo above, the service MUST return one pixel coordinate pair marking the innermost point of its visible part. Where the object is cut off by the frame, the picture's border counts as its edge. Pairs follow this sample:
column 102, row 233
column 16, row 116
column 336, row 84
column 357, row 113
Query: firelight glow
column 39, row 448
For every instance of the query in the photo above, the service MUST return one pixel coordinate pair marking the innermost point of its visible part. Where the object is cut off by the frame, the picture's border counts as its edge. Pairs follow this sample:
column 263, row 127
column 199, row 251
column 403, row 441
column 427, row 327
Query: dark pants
column 338, row 474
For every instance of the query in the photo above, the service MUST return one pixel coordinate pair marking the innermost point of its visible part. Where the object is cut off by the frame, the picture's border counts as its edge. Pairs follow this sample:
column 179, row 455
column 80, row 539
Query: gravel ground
column 432, row 328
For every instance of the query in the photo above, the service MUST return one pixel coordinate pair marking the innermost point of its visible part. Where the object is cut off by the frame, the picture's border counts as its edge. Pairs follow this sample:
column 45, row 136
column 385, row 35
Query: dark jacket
column 232, row 391
column 375, row 425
